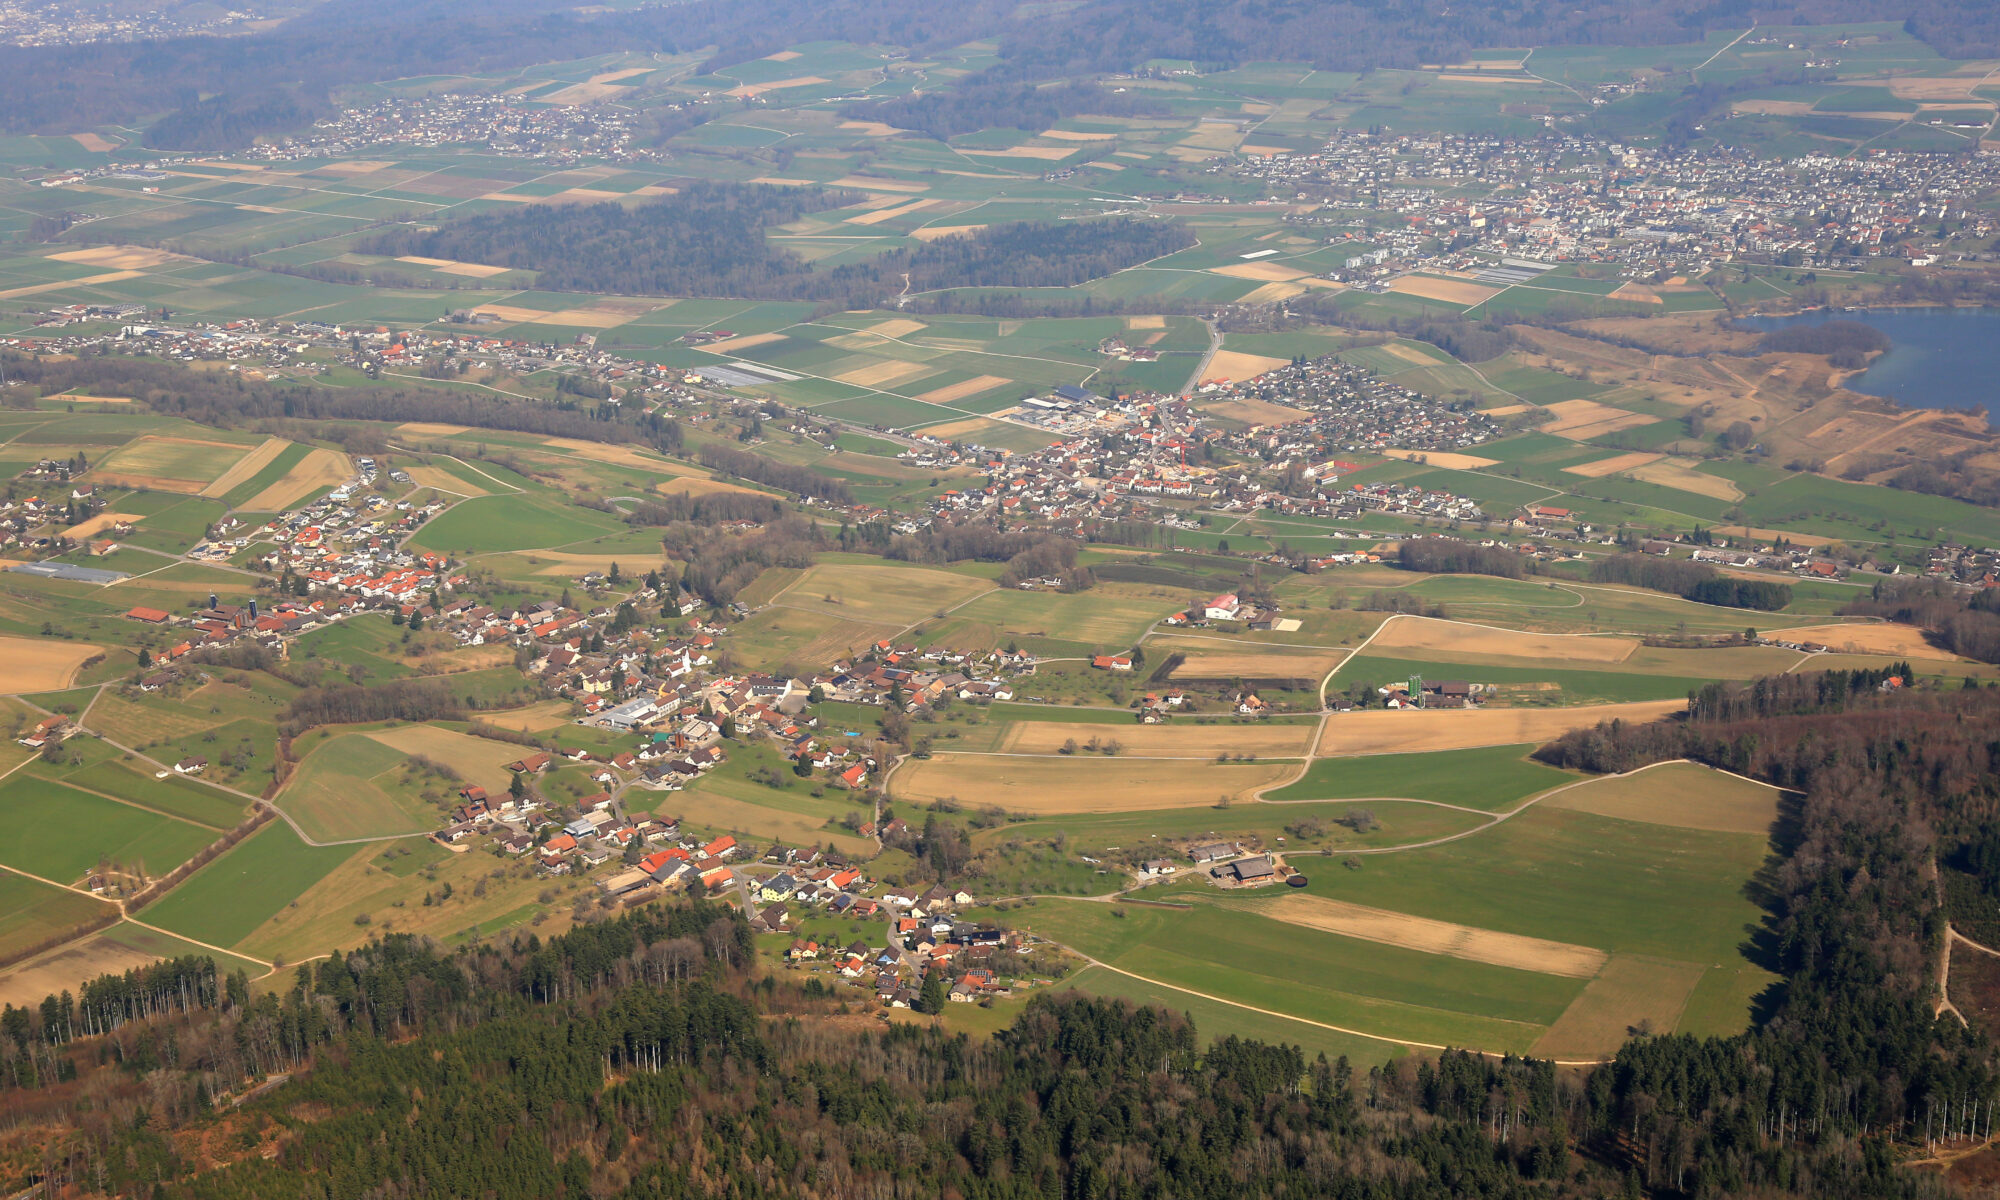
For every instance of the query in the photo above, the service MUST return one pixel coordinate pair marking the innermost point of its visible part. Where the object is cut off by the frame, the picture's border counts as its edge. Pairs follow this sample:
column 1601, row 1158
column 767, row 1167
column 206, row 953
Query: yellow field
column 897, row 328
column 476, row 759
column 884, row 214
column 1444, row 639
column 871, row 183
column 598, row 316
column 886, row 371
column 620, row 456
column 66, row 966
column 1903, row 641
column 691, row 486
column 34, row 665
column 1384, row 732
column 1452, row 291
column 1435, row 937
column 959, row 391
column 1772, row 535
column 871, row 128
column 1638, row 294
column 453, row 267
column 96, row 143
column 87, row 281
column 1236, row 366
column 932, row 233
column 1145, row 322
column 1443, row 458
column 246, row 467
column 99, row 523
column 1684, row 795
column 1045, row 153
column 74, row 398
column 1269, row 272
column 743, row 343
column 1074, row 135
column 118, row 258
column 1627, row 991
column 758, row 89
column 1680, row 474
column 1613, row 465
column 1044, row 786
column 532, row 719
column 600, row 87
column 1223, row 663
column 319, row 468
column 444, row 481
column 428, row 429
column 558, row 563
column 1582, row 419
column 1171, row 741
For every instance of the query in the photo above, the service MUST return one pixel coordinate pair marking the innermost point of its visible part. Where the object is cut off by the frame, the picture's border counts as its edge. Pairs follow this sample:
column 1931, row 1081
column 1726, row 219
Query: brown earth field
column 1237, row 366
column 1435, row 937
column 1903, row 641
column 1411, row 732
column 1169, row 741
column 34, row 665
column 1439, row 640
column 1045, row 786
column 246, row 467
column 319, row 468
column 99, row 523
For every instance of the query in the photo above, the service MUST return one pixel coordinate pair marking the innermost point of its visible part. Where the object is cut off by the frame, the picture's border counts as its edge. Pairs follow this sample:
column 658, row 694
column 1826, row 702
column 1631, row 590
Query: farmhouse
column 1251, row 870
column 193, row 765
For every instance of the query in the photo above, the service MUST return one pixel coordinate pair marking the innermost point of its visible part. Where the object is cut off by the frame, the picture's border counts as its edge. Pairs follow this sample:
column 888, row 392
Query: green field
column 32, row 913
column 1492, row 777
column 230, row 897
column 495, row 524
column 60, row 832
column 353, row 786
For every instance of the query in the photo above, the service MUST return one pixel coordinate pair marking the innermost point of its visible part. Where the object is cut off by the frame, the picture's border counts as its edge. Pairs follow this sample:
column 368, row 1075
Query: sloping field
column 98, row 524
column 1435, row 937
column 167, row 464
column 1383, row 732
column 1684, row 795
column 246, row 467
column 443, row 481
column 318, row 469
column 1439, row 639
column 1443, row 458
column 1629, row 990
column 863, row 592
column 1041, row 786
column 34, row 665
column 1173, row 741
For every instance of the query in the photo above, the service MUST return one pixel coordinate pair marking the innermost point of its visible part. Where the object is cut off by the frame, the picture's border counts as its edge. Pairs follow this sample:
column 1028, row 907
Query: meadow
column 228, row 898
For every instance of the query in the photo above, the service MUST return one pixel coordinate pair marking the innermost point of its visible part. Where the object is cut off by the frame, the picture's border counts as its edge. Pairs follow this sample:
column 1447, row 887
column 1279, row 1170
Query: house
column 1252, row 870
column 151, row 616
column 1222, row 608
column 192, row 765
column 529, row 764
column 1156, row 867
column 1112, row 662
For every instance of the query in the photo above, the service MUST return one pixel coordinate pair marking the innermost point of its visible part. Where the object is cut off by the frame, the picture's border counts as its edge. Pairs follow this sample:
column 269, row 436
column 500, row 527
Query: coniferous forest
column 710, row 241
column 646, row 1056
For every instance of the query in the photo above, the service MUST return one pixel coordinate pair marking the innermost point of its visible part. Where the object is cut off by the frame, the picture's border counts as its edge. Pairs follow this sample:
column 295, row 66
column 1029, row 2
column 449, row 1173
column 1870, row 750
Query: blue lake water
column 1940, row 357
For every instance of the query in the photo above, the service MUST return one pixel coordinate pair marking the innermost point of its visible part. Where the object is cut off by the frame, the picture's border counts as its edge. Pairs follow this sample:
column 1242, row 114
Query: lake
column 1941, row 357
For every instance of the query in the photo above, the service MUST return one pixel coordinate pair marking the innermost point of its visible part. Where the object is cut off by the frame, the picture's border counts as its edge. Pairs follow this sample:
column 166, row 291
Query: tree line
column 1455, row 556
column 1691, row 580
column 1962, row 620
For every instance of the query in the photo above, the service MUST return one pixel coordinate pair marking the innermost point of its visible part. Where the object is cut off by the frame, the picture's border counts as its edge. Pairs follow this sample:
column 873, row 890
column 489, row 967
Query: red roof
column 153, row 615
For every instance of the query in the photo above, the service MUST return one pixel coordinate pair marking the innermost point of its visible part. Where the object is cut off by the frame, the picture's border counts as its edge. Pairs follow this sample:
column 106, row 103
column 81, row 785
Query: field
column 1041, row 785
column 319, row 469
column 34, row 665
column 1449, row 639
column 1486, row 779
column 879, row 594
column 259, row 876
column 61, row 832
column 1683, row 795
column 33, row 913
column 356, row 786
column 1181, row 740
column 1433, row 937
column 169, row 464
column 1389, row 732
column 1857, row 638
column 113, row 951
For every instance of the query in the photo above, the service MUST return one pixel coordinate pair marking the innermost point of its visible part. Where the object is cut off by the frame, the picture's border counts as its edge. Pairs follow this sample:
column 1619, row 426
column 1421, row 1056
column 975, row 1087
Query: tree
column 933, row 997
column 145, row 657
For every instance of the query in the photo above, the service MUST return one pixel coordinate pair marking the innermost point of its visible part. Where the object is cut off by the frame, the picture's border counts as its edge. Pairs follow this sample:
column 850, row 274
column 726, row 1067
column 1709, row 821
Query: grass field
column 1488, row 779
column 31, row 912
column 879, row 594
column 255, row 879
column 354, row 786
column 1044, row 785
column 1683, row 795
column 495, row 524
column 60, row 832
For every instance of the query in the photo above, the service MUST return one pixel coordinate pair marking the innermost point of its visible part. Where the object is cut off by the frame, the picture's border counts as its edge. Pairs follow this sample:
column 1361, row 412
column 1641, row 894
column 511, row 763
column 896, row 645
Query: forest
column 1455, row 556
column 229, row 401
column 710, row 241
column 987, row 102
